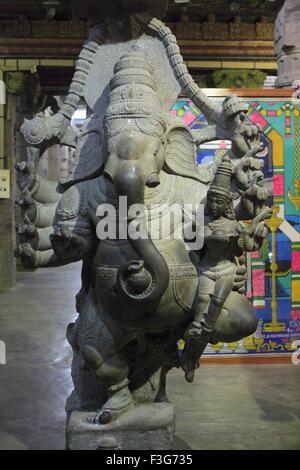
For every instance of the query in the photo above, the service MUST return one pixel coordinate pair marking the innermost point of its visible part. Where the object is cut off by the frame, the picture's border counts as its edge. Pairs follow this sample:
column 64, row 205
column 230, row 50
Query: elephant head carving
column 141, row 141
column 139, row 133
column 135, row 131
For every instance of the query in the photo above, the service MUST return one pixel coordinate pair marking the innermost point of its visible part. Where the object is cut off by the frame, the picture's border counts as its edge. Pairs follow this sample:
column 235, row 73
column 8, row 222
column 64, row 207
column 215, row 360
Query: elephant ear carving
column 181, row 155
column 89, row 153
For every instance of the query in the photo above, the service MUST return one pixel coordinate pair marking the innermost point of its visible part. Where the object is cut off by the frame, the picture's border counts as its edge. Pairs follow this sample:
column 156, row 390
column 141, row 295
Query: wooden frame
column 250, row 92
column 236, row 359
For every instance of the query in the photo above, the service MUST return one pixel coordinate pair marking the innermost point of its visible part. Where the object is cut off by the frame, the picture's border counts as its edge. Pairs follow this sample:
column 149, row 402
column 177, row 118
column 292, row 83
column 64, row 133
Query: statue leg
column 112, row 369
column 189, row 361
column 198, row 335
column 237, row 320
column 102, row 344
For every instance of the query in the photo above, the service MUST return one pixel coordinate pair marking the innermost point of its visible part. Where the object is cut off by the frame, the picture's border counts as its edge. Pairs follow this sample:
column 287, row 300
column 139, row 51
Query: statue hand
column 255, row 241
column 27, row 254
column 248, row 170
column 245, row 138
column 240, row 276
column 26, row 175
column 263, row 215
column 243, row 133
column 256, row 232
column 260, row 234
column 254, row 199
column 193, row 331
column 67, row 244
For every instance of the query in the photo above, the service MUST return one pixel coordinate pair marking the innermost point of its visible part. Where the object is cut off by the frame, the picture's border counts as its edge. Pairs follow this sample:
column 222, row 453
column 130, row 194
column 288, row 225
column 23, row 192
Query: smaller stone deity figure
column 225, row 241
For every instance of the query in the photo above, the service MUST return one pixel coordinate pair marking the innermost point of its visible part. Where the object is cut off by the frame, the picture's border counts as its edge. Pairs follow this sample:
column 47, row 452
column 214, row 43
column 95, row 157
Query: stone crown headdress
column 133, row 89
column 222, row 181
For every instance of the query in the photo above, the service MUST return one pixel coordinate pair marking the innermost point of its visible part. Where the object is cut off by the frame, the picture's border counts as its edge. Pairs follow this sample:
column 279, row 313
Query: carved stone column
column 18, row 85
column 287, row 43
column 14, row 84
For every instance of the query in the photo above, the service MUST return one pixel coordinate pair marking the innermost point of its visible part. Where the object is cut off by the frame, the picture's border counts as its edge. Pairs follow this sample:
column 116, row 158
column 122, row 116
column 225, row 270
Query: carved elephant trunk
column 135, row 129
column 145, row 279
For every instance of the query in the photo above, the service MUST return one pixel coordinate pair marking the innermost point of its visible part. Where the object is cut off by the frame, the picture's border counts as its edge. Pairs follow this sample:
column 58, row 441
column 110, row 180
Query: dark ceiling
column 36, row 9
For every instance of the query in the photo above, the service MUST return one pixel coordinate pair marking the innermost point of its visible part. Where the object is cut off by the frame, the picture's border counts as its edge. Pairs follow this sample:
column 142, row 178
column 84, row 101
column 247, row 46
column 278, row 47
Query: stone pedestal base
column 146, row 427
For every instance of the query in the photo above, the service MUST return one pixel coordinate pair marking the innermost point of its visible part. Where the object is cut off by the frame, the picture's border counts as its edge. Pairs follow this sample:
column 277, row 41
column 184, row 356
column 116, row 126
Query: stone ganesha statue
column 137, row 294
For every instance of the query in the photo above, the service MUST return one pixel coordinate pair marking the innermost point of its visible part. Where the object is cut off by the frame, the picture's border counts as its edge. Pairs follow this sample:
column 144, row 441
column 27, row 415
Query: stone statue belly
column 176, row 301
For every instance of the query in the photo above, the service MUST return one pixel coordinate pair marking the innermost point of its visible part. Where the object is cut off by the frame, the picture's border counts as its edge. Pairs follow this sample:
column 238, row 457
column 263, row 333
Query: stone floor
column 228, row 407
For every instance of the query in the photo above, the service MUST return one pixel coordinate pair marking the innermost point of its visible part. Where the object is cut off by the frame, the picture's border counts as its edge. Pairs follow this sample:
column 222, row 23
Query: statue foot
column 107, row 415
column 118, row 403
column 190, row 362
column 189, row 376
column 189, row 370
column 162, row 398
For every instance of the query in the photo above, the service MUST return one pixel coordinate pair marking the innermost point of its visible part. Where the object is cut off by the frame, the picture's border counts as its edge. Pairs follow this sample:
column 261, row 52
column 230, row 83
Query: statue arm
column 253, row 235
column 72, row 237
column 211, row 110
column 249, row 180
column 207, row 134
column 32, row 258
column 226, row 121
column 225, row 118
column 38, row 201
column 42, row 190
column 43, row 131
column 45, row 209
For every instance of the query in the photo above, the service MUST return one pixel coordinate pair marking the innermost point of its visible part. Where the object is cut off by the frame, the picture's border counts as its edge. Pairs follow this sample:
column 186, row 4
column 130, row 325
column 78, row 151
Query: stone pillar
column 18, row 86
column 24, row 109
column 287, row 43
column 7, row 206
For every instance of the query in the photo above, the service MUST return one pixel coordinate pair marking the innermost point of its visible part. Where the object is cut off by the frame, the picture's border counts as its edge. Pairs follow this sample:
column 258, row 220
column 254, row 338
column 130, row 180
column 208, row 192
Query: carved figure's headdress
column 222, row 181
column 134, row 95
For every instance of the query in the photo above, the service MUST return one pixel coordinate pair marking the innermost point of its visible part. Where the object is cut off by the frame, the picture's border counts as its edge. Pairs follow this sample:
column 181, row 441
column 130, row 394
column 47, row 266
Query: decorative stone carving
column 24, row 28
column 139, row 294
column 264, row 29
column 287, row 40
column 238, row 78
column 15, row 82
column 237, row 30
column 186, row 28
column 225, row 241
